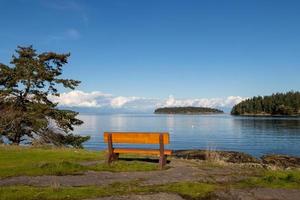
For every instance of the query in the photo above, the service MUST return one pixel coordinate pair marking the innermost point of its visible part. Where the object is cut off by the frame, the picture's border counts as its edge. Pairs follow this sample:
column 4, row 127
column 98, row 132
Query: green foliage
column 186, row 110
column 276, row 104
column 289, row 179
column 185, row 189
column 25, row 109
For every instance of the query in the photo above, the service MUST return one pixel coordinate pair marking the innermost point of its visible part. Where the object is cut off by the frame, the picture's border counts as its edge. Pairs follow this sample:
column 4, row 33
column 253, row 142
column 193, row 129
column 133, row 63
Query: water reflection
column 256, row 136
column 270, row 125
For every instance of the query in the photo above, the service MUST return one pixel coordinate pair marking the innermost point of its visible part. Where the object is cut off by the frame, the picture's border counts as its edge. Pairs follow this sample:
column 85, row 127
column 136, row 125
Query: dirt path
column 159, row 196
column 253, row 194
column 180, row 170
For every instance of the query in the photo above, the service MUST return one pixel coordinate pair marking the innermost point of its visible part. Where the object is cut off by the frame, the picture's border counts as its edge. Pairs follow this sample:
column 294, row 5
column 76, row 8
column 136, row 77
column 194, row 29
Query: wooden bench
column 137, row 138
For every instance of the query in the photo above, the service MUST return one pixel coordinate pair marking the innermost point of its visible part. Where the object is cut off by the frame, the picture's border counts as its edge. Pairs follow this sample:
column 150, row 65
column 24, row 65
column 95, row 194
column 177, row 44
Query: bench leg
column 116, row 156
column 112, row 157
column 162, row 157
column 162, row 161
column 165, row 160
column 109, row 158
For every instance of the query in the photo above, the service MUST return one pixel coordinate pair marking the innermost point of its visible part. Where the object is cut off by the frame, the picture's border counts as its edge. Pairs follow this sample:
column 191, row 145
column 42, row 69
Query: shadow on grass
column 150, row 160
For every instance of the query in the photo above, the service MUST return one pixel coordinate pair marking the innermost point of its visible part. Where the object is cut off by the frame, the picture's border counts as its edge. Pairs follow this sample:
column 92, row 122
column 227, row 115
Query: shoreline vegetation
column 277, row 105
column 188, row 110
column 266, row 115
column 69, row 173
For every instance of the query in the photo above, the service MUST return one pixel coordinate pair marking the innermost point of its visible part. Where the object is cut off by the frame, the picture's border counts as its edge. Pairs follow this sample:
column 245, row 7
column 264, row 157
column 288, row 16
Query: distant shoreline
column 188, row 110
column 190, row 113
column 267, row 115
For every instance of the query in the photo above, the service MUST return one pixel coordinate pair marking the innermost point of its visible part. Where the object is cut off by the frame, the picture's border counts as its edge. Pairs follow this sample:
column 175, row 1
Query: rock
column 282, row 161
column 227, row 156
column 258, row 194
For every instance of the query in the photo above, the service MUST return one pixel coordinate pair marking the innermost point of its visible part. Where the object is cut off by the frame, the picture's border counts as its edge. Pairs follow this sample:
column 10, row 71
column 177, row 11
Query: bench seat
column 142, row 151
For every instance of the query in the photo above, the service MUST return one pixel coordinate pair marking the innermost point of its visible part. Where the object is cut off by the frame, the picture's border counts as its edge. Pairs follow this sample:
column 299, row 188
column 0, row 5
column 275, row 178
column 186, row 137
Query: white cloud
column 78, row 98
column 100, row 100
column 203, row 102
column 120, row 101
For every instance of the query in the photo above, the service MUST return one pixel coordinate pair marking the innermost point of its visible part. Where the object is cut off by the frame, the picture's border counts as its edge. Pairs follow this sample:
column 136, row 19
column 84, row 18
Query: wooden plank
column 137, row 137
column 142, row 151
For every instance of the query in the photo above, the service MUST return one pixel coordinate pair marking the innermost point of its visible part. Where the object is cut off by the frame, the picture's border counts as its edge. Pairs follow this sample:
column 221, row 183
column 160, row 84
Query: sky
column 138, row 54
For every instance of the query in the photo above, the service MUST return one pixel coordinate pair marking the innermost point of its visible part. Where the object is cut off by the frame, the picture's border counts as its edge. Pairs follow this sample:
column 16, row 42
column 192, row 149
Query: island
column 277, row 104
column 187, row 110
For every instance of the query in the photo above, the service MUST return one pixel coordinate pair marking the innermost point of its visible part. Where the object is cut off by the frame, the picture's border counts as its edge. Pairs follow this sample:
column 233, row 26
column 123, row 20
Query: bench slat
column 142, row 151
column 136, row 137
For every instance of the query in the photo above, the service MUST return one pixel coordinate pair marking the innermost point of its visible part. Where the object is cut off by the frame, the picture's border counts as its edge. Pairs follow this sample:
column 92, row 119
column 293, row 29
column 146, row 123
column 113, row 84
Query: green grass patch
column 185, row 189
column 33, row 161
column 288, row 179
column 125, row 166
column 17, row 161
column 188, row 189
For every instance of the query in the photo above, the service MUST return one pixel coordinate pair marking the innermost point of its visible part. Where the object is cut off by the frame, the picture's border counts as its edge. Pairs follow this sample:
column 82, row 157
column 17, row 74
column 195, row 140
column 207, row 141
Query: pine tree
column 26, row 113
column 276, row 104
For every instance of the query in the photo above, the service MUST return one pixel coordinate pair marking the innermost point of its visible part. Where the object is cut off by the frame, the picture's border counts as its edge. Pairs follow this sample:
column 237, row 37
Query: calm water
column 256, row 136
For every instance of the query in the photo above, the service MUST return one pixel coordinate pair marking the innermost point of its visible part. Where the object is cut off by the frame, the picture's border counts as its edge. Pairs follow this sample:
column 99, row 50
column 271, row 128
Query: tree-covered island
column 187, row 110
column 279, row 104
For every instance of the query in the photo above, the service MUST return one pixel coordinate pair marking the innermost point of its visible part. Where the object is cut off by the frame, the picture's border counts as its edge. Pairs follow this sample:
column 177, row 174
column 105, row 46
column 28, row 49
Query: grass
column 186, row 189
column 287, row 179
column 34, row 161
column 125, row 166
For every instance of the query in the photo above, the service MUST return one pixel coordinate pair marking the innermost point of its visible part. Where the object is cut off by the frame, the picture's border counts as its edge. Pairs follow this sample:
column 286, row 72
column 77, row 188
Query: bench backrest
column 137, row 137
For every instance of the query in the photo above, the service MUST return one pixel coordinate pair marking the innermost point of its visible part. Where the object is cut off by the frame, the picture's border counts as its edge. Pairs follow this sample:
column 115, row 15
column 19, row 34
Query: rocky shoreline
column 270, row 160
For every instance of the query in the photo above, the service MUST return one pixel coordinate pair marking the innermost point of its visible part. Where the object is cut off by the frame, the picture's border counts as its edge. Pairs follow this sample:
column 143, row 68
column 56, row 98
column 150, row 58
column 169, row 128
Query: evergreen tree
column 276, row 104
column 26, row 113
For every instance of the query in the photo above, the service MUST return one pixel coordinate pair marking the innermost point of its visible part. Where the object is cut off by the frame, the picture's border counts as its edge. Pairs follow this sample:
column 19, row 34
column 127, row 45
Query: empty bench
column 137, row 138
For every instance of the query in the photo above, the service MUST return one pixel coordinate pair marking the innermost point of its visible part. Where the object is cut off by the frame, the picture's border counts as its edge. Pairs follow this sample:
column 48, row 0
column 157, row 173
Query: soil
column 258, row 194
column 179, row 170
column 159, row 196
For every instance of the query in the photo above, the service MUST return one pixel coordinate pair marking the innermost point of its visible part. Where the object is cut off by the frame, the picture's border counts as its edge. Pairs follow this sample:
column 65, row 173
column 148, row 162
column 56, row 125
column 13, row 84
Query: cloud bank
column 102, row 101
column 203, row 102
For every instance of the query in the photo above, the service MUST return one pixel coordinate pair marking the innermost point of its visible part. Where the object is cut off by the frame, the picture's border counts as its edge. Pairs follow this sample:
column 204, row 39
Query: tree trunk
column 17, row 138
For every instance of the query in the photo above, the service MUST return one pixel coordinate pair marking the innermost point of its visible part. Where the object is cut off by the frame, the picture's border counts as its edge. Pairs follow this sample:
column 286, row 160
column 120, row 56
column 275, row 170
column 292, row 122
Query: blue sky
column 153, row 49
